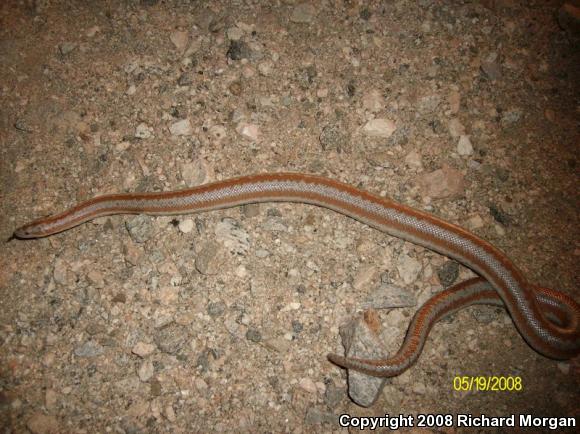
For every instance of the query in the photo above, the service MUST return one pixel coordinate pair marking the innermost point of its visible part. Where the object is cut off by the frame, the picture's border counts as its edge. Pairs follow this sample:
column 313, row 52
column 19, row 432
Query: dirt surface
column 222, row 321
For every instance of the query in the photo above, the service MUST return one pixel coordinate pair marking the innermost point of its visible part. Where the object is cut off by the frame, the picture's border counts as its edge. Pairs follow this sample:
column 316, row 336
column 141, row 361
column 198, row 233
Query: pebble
column 253, row 335
column 208, row 261
column 66, row 48
column 315, row 416
column 218, row 132
column 146, row 370
column 143, row 131
column 441, row 183
column 234, row 33
column 382, row 128
column 170, row 339
column 96, row 278
column 448, row 273
column 389, row 296
column 40, row 423
column 454, row 100
column 216, row 308
column 186, row 226
column 413, row 159
column 409, row 269
column 360, row 339
column 333, row 395
column 248, row 131
column 140, row 228
column 179, row 39
column 193, row 173
column 89, row 349
column 168, row 295
column 239, row 50
column 92, row 31
column 373, row 101
column 265, row 68
column 475, row 222
column 61, row 272
column 334, row 138
column 169, row 413
column 143, row 349
column 464, row 146
column 456, row 128
column 181, row 128
column 303, row 13
column 229, row 233
column 308, row 385
column 511, row 116
column 491, row 67
column 279, row 345
column 364, row 277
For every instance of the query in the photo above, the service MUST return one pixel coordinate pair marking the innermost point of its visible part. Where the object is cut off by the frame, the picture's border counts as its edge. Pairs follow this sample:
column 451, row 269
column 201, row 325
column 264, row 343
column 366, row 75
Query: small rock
column 464, row 146
column 373, row 101
column 333, row 137
column 61, row 272
column 279, row 345
column 408, row 268
column 441, row 183
column 179, row 39
column 254, row 335
column 92, row 31
column 248, row 131
column 448, row 273
column 265, row 68
column 170, row 413
column 456, row 128
column 511, row 116
column 140, row 228
column 96, row 278
column 333, row 395
column 186, row 226
column 239, row 50
column 218, row 132
column 360, row 339
column 232, row 236
column 413, row 159
column 89, row 349
column 216, row 308
column 168, row 295
column 143, row 131
column 181, row 128
column 490, row 67
column 210, row 259
column 315, row 416
column 146, row 370
column 307, row 385
column 66, row 47
column 389, row 296
column 194, row 173
column 303, row 13
column 454, row 100
column 234, row 33
column 382, row 128
column 143, row 349
column 171, row 338
column 43, row 424
column 364, row 277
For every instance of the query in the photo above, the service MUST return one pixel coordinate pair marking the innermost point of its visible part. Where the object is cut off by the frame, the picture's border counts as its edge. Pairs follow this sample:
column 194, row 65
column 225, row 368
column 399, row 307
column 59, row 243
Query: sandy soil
column 129, row 324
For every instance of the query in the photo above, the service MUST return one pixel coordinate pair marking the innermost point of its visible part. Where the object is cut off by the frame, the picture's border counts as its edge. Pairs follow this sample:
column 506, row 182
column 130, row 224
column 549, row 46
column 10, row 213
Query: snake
column 547, row 319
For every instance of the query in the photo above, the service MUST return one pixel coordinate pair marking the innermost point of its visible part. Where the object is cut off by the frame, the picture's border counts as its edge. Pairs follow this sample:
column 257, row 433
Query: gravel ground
column 222, row 321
